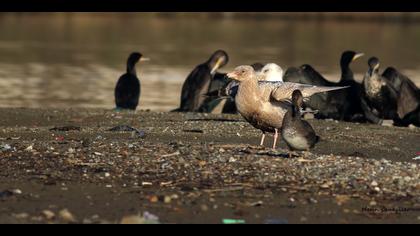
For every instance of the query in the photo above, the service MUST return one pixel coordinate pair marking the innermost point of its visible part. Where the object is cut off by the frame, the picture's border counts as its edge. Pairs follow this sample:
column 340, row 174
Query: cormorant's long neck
column 131, row 68
column 346, row 72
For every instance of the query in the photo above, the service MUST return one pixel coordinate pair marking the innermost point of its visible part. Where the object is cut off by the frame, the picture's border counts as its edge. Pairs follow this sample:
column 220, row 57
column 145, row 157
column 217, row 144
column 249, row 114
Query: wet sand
column 200, row 168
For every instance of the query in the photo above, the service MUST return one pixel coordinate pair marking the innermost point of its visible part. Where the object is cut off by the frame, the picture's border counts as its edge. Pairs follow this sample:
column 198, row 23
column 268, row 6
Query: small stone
column 48, row 214
column 232, row 159
column 153, row 199
column 303, row 219
column 67, row 216
column 342, row 199
column 387, row 123
column 17, row 191
column 107, row 174
column 372, row 203
column 407, row 178
column 21, row 215
column 133, row 219
column 204, row 207
column 325, row 186
column 374, row 184
column 313, row 200
column 167, row 199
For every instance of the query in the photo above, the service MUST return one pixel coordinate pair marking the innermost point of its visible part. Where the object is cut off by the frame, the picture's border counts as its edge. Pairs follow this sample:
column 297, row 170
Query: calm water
column 74, row 60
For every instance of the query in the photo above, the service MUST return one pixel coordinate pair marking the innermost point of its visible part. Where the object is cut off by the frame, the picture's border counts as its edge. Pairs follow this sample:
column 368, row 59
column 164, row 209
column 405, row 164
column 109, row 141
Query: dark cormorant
column 408, row 97
column 341, row 104
column 127, row 90
column 380, row 98
column 198, row 82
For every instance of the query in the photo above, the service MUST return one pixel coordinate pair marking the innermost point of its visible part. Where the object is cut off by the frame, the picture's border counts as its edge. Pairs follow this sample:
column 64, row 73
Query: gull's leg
column 262, row 139
column 276, row 135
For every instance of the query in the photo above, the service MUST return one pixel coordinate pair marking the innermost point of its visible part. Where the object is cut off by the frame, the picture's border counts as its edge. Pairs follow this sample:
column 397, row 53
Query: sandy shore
column 199, row 168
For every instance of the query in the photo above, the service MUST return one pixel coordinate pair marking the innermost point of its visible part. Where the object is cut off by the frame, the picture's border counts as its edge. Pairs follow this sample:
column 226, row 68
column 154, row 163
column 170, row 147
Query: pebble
column 48, row 214
column 67, row 216
column 374, row 184
column 21, row 215
column 133, row 219
column 167, row 199
column 204, row 207
column 17, row 191
column 5, row 147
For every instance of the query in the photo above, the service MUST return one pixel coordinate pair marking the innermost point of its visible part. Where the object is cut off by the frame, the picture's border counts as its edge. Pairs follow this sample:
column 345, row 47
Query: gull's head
column 271, row 72
column 242, row 73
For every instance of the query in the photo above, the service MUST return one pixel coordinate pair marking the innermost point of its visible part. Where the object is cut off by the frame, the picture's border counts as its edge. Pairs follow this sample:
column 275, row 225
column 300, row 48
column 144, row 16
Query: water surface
column 74, row 60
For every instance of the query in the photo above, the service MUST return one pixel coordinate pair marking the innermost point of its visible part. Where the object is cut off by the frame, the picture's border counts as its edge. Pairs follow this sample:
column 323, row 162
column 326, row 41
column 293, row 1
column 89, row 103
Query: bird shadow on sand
column 262, row 151
column 216, row 120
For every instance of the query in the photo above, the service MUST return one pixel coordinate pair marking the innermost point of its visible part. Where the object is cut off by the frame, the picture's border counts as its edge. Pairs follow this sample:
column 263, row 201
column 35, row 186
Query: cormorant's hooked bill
column 349, row 56
column 219, row 59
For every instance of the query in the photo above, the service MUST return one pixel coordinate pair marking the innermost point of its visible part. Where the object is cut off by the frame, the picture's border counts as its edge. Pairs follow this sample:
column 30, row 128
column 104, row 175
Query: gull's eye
column 265, row 71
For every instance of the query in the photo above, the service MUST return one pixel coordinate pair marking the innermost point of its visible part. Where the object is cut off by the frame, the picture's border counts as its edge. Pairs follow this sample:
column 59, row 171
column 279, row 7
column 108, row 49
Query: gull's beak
column 357, row 56
column 218, row 63
column 144, row 59
column 232, row 75
column 376, row 66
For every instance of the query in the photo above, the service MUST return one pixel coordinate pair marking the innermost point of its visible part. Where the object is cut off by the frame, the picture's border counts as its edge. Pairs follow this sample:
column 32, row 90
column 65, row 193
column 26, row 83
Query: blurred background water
column 75, row 59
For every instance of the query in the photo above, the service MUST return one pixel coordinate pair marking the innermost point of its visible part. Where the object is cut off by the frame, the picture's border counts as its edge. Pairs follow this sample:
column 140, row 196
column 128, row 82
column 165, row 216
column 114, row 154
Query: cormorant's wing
column 219, row 81
column 194, row 87
column 396, row 79
column 409, row 99
column 311, row 76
